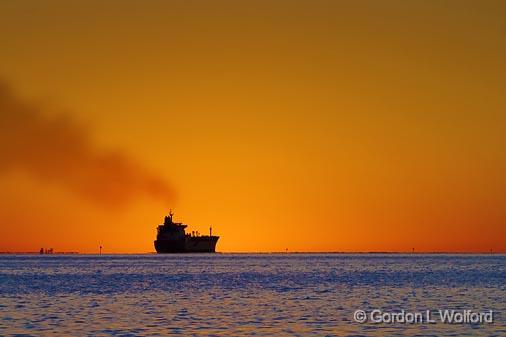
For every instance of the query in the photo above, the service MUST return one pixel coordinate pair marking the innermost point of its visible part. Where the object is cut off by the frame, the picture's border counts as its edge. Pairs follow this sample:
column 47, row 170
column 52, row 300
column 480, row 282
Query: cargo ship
column 172, row 238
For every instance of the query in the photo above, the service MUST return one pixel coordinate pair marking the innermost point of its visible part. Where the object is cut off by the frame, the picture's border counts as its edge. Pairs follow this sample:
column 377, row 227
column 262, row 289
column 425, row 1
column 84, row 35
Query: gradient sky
column 306, row 125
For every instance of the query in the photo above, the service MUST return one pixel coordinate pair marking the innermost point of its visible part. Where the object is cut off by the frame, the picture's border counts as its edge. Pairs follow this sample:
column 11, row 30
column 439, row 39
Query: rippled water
column 245, row 294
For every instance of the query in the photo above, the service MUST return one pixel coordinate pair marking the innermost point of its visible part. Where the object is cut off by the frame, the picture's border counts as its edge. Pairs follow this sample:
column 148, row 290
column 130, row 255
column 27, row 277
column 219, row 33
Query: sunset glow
column 300, row 126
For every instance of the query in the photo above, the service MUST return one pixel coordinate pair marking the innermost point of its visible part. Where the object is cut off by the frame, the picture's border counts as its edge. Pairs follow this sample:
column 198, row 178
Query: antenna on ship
column 210, row 230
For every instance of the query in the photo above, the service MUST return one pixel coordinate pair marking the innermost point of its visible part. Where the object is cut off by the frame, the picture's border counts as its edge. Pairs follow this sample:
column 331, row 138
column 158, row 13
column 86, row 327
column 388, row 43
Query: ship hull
column 198, row 244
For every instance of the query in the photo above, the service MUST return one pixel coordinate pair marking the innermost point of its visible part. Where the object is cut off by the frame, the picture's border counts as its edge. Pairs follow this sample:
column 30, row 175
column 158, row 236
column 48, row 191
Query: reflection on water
column 245, row 294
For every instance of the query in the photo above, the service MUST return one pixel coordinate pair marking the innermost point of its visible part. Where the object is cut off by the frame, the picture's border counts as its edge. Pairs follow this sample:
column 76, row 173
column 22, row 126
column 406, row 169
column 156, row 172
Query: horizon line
column 271, row 252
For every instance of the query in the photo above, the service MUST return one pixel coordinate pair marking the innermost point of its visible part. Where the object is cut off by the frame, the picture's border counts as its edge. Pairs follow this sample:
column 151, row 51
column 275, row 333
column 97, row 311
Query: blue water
column 246, row 294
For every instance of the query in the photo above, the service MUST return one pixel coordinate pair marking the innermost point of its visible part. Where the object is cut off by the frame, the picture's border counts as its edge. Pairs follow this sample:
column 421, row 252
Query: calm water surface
column 245, row 294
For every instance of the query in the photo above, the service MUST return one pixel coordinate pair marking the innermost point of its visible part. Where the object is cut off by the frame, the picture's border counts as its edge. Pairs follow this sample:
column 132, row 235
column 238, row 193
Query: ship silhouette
column 172, row 238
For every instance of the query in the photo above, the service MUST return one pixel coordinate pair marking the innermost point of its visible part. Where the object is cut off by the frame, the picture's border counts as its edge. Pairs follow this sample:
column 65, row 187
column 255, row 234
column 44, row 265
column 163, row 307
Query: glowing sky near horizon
column 299, row 125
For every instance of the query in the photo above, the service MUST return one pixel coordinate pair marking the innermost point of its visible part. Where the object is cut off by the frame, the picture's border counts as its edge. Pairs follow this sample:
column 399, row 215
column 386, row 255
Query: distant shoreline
column 38, row 253
column 271, row 253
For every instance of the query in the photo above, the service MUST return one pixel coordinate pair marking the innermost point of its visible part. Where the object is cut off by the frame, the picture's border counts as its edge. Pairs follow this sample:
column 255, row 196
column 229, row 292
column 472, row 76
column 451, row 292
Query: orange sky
column 307, row 125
